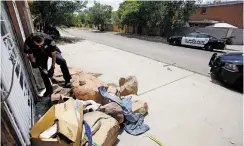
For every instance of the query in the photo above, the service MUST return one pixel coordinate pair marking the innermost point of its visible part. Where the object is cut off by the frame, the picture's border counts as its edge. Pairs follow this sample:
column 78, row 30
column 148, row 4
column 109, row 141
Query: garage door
column 19, row 104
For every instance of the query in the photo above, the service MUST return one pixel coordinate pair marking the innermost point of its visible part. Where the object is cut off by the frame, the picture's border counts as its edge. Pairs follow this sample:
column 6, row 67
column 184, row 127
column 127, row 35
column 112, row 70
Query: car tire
column 239, row 84
column 174, row 43
column 208, row 47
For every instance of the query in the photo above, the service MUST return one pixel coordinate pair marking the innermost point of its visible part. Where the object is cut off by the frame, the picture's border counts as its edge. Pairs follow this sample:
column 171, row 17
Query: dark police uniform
column 41, row 55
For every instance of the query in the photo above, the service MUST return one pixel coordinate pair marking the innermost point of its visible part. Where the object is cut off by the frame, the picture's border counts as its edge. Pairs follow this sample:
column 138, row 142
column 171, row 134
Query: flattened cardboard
column 46, row 142
column 67, row 119
column 68, row 123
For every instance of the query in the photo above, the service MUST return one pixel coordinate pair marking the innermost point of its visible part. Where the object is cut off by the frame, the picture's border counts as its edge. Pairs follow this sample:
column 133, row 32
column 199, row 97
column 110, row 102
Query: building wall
column 238, row 33
column 8, row 136
column 232, row 14
column 19, row 106
column 26, row 20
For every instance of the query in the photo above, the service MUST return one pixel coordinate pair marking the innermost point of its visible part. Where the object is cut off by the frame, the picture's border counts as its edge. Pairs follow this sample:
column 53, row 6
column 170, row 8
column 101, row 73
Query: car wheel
column 239, row 84
column 174, row 42
column 208, row 47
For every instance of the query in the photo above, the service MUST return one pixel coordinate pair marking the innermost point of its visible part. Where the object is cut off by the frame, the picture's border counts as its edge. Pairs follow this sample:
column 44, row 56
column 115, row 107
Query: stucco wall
column 232, row 14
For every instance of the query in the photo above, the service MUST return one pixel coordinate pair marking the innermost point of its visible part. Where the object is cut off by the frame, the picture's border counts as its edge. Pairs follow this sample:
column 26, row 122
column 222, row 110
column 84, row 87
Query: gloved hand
column 34, row 65
column 51, row 72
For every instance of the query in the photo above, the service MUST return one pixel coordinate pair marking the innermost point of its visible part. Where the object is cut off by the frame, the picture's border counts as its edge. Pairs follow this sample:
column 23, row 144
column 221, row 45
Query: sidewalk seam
column 166, row 84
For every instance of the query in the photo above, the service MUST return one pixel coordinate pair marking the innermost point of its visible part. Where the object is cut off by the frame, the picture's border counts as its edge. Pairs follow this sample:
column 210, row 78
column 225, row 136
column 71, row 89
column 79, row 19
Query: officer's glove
column 51, row 72
column 34, row 65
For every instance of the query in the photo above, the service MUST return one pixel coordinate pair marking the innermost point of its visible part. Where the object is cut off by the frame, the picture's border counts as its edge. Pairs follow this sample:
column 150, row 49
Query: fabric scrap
column 88, row 132
column 134, row 122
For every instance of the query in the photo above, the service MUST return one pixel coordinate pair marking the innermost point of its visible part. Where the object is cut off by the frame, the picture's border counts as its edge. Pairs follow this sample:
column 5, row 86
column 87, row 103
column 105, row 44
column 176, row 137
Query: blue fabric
column 88, row 132
column 134, row 122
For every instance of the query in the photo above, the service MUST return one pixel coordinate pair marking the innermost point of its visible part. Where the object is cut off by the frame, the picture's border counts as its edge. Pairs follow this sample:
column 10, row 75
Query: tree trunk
column 102, row 27
column 139, row 29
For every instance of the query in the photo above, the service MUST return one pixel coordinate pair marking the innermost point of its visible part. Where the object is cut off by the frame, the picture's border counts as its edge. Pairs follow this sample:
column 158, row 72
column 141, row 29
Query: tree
column 100, row 15
column 55, row 12
column 115, row 18
column 128, row 13
column 169, row 16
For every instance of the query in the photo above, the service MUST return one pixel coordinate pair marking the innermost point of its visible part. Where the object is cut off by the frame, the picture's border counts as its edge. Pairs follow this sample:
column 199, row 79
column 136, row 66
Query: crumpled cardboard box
column 68, row 124
column 108, row 131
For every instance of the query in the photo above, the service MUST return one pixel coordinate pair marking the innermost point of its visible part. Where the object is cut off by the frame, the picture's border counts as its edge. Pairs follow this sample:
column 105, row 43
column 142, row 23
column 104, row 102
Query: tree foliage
column 115, row 18
column 56, row 12
column 100, row 14
column 169, row 16
column 128, row 12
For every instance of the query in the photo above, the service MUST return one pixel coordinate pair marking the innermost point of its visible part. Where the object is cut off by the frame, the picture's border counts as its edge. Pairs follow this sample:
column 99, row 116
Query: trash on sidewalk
column 42, row 107
column 139, row 106
column 154, row 139
column 88, row 105
column 93, row 116
column 58, row 75
column 57, row 89
column 114, row 90
column 128, row 86
column 89, row 91
column 134, row 122
column 50, row 132
column 104, row 128
column 108, row 132
column 69, row 127
column 88, row 132
column 56, row 98
column 114, row 110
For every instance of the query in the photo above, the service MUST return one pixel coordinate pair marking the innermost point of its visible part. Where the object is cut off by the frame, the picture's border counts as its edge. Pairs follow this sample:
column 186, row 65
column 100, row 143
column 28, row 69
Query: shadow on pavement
column 67, row 40
column 233, row 50
column 144, row 37
column 227, row 86
column 98, row 31
column 117, row 142
column 199, row 48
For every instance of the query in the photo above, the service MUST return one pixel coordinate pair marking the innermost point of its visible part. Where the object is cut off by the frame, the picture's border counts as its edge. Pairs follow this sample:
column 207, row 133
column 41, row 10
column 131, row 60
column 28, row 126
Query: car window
column 192, row 35
column 212, row 37
column 202, row 36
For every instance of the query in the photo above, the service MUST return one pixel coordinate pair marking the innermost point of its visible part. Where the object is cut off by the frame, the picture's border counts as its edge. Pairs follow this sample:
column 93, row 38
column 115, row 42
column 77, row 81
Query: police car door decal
column 189, row 40
column 196, row 41
column 183, row 40
column 203, row 41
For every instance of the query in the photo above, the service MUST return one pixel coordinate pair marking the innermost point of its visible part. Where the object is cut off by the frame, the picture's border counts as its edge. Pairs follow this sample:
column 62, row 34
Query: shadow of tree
column 67, row 40
column 144, row 37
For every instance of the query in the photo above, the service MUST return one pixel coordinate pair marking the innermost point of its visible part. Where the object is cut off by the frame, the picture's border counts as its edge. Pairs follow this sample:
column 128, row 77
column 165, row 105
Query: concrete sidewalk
column 185, row 109
column 238, row 48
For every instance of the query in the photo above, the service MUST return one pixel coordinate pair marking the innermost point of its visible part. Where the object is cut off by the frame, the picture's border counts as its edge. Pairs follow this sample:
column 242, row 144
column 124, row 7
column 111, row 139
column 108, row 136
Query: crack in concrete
column 172, row 64
column 166, row 84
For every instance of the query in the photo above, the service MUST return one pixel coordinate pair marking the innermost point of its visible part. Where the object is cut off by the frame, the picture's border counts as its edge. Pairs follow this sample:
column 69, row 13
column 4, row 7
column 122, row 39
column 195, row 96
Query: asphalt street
column 192, row 59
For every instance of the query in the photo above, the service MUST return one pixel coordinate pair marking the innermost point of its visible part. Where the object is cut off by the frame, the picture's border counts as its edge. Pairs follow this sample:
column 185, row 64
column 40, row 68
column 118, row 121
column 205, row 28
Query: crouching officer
column 39, row 47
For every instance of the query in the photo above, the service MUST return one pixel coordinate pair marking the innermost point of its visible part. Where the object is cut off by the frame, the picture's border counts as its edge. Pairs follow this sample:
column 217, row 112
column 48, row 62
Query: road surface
column 195, row 60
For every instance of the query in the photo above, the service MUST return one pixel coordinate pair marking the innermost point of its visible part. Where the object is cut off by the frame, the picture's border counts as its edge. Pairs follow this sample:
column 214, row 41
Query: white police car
column 197, row 39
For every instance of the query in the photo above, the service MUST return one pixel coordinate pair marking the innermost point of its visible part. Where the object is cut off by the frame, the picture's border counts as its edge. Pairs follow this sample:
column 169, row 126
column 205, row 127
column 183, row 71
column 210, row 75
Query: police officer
column 40, row 46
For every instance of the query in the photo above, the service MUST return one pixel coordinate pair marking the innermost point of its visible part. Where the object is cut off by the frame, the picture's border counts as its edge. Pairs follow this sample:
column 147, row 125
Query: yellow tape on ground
column 154, row 139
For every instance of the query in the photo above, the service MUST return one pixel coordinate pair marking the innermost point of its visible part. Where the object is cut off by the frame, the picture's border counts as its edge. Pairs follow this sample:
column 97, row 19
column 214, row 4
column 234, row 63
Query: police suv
column 197, row 39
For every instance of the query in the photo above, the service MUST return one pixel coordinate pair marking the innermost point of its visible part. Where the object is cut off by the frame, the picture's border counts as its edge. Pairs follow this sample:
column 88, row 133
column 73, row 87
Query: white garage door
column 19, row 105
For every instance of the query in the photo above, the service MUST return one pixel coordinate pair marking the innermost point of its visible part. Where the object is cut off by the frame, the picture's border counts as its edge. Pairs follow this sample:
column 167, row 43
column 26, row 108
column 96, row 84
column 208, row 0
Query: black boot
column 47, row 94
column 67, row 84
